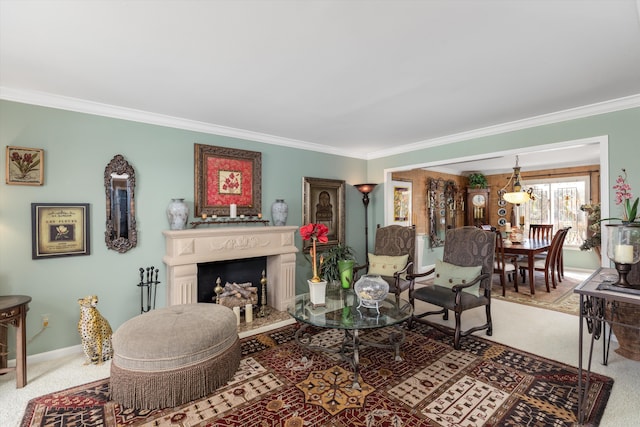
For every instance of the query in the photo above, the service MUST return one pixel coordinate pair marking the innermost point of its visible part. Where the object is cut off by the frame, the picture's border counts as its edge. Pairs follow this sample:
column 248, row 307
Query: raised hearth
column 185, row 249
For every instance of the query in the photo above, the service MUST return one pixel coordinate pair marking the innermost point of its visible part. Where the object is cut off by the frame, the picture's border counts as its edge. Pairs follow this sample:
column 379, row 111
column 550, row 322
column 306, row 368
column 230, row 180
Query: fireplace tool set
column 148, row 282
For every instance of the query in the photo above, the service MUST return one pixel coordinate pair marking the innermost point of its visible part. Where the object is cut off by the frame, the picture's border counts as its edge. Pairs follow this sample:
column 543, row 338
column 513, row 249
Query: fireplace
column 239, row 271
column 185, row 249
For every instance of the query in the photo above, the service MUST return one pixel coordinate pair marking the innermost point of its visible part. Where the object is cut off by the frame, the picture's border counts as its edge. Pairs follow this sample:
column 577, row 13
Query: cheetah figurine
column 95, row 331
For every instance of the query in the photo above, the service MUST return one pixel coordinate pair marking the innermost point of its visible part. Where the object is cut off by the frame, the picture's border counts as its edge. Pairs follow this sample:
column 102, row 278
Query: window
column 557, row 202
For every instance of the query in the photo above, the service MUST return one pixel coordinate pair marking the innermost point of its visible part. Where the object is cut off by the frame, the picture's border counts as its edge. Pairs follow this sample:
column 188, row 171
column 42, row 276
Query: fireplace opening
column 239, row 271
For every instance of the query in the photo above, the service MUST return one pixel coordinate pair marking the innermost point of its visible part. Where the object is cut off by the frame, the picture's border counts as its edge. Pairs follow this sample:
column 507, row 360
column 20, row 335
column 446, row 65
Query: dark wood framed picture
column 24, row 166
column 60, row 229
column 226, row 176
column 324, row 202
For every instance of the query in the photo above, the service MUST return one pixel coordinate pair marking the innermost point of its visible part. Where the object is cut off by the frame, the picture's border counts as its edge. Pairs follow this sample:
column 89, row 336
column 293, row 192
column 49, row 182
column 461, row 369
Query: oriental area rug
column 279, row 384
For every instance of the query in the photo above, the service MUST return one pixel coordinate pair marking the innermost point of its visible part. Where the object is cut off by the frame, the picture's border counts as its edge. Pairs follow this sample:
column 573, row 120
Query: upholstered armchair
column 392, row 257
column 462, row 280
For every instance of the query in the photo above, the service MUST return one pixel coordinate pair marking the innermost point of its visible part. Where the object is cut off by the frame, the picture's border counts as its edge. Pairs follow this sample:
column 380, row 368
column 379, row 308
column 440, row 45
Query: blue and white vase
column 177, row 214
column 279, row 212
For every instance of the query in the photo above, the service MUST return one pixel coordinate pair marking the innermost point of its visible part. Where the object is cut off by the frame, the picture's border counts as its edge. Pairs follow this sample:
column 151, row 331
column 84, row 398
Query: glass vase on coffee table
column 623, row 248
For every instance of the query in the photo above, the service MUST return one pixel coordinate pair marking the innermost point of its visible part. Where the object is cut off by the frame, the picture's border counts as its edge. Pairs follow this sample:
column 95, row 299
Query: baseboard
column 49, row 355
column 77, row 349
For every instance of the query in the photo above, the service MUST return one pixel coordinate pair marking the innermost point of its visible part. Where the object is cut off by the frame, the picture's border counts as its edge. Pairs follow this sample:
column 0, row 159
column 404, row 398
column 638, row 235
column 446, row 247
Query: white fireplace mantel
column 185, row 249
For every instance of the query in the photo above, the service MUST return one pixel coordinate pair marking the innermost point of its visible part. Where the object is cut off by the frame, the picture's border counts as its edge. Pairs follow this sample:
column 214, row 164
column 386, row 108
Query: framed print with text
column 226, row 176
column 60, row 229
column 324, row 201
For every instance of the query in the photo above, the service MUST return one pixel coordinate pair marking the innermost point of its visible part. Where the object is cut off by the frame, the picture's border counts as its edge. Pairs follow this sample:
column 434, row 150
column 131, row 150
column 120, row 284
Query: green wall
column 622, row 129
column 78, row 147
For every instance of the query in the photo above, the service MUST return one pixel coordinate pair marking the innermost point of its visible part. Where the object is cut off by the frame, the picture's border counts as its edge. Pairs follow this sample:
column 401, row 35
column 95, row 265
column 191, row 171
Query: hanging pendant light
column 517, row 196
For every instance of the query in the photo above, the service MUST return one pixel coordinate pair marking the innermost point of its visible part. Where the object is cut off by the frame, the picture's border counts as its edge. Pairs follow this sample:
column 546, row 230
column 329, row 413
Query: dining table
column 528, row 248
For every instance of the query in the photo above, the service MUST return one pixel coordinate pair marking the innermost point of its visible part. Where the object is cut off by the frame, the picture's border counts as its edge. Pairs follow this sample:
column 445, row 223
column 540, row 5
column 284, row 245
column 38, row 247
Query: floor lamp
column 365, row 189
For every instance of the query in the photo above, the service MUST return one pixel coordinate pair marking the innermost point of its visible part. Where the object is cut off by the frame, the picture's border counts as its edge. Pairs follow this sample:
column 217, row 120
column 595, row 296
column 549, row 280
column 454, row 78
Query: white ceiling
column 358, row 78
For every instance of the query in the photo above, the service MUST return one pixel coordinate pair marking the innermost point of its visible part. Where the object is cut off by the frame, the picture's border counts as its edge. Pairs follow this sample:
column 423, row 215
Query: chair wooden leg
column 458, row 332
column 489, row 322
column 547, row 278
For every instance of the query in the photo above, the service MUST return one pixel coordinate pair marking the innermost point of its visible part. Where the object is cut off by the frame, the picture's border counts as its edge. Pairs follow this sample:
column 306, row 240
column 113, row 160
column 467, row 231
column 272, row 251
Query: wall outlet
column 45, row 321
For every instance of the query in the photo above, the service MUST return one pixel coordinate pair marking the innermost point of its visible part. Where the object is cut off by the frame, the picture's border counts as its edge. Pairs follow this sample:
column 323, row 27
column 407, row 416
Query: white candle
column 623, row 254
column 507, row 227
column 236, row 311
column 248, row 313
column 233, row 210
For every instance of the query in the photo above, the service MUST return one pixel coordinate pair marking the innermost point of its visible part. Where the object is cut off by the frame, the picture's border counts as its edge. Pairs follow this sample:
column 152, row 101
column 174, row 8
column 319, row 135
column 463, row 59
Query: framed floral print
column 227, row 176
column 60, row 229
column 24, row 166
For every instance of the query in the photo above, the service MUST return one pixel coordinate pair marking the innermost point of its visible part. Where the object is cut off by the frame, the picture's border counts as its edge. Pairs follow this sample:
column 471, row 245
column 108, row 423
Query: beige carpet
column 561, row 299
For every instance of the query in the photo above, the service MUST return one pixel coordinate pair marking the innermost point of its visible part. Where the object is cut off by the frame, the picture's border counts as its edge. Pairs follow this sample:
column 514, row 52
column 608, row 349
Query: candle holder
column 623, row 248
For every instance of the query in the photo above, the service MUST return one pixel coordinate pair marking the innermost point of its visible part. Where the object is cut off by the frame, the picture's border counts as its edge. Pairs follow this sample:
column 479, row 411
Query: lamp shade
column 365, row 188
column 517, row 198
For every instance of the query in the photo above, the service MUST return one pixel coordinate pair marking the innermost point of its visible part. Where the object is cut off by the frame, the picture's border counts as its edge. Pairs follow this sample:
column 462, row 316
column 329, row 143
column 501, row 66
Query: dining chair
column 392, row 258
column 461, row 281
column 504, row 266
column 541, row 231
column 549, row 265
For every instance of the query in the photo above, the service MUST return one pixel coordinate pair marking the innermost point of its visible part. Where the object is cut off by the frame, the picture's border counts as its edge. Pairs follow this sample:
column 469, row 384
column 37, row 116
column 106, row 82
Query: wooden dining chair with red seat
column 505, row 266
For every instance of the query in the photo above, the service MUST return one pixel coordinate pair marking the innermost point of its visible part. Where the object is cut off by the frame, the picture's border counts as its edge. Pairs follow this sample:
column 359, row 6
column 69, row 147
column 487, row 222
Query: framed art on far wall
column 224, row 177
column 402, row 203
column 24, row 166
column 59, row 229
column 324, row 201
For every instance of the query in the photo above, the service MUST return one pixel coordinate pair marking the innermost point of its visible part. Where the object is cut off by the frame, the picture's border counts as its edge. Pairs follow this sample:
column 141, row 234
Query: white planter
column 317, row 293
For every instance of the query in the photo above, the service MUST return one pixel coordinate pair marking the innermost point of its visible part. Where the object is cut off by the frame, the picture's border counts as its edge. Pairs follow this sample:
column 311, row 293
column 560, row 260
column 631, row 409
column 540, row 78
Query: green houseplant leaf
column 477, row 180
column 330, row 268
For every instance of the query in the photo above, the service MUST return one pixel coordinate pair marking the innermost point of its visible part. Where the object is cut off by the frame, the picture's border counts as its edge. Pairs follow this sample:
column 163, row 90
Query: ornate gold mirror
column 119, row 184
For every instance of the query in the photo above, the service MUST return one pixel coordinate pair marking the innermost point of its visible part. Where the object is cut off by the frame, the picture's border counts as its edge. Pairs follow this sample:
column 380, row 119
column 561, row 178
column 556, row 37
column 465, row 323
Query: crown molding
column 619, row 104
column 89, row 107
column 106, row 110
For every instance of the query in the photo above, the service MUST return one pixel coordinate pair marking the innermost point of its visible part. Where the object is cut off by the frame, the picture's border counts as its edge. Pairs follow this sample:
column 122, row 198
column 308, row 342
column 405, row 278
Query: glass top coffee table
column 342, row 312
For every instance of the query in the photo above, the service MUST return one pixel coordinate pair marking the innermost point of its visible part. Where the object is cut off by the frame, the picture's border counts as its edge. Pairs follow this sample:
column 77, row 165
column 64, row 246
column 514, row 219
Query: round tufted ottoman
column 173, row 355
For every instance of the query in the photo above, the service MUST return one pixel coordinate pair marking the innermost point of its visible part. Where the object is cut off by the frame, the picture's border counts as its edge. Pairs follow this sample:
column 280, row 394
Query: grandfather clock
column 477, row 206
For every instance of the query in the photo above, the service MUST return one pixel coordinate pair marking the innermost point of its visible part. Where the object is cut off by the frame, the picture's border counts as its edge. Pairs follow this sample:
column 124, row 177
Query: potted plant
column 477, row 180
column 595, row 239
column 337, row 265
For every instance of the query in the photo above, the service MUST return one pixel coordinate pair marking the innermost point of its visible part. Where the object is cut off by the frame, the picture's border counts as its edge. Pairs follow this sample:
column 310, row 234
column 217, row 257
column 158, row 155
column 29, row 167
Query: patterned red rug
column 483, row 384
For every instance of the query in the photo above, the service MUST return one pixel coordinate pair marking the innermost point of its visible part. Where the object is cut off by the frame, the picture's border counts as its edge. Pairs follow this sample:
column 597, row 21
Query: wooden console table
column 598, row 300
column 13, row 311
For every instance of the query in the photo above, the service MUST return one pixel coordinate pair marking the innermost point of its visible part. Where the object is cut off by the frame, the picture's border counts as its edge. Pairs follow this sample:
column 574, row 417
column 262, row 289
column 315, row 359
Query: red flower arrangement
column 315, row 232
